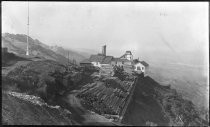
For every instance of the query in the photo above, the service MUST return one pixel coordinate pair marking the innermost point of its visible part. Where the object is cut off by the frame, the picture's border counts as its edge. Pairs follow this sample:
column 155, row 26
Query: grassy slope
column 17, row 43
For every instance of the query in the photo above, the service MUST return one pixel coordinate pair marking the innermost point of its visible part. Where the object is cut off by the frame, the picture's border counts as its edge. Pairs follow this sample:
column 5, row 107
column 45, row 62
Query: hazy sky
column 144, row 28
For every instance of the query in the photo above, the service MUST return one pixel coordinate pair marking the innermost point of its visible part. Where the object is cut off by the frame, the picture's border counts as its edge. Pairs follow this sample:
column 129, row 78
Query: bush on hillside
column 119, row 72
column 89, row 69
column 46, row 79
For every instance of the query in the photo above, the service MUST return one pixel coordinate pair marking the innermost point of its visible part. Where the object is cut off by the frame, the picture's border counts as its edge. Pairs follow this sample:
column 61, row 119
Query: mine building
column 106, row 63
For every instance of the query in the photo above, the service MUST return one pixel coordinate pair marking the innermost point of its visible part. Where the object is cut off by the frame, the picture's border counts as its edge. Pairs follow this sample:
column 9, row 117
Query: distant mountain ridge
column 64, row 52
column 16, row 43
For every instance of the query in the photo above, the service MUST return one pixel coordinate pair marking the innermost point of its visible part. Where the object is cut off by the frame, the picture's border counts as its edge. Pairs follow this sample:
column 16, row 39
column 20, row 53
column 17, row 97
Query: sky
column 158, row 31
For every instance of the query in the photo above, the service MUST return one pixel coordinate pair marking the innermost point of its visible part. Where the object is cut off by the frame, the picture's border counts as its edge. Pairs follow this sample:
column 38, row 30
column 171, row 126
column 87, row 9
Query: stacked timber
column 106, row 99
column 106, row 70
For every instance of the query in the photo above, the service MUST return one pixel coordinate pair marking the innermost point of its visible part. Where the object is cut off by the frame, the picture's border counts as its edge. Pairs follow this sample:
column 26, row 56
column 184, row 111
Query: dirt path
column 82, row 115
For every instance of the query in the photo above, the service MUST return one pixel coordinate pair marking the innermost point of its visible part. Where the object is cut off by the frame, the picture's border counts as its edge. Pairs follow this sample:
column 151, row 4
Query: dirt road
column 82, row 115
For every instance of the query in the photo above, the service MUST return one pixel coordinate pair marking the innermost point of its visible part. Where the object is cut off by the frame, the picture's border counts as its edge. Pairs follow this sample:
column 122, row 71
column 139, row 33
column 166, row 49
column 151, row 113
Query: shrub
column 119, row 72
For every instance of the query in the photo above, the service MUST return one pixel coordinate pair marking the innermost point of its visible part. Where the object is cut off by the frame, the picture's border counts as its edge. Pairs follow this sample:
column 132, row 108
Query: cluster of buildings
column 126, row 60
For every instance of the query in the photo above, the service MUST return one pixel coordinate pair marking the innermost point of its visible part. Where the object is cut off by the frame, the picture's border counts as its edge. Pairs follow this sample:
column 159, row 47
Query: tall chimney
column 104, row 50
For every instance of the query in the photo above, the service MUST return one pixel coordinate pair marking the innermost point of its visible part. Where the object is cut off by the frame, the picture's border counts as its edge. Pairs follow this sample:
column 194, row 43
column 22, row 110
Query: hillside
column 51, row 81
column 153, row 104
column 190, row 81
column 16, row 111
column 64, row 52
column 92, row 100
column 9, row 59
column 16, row 43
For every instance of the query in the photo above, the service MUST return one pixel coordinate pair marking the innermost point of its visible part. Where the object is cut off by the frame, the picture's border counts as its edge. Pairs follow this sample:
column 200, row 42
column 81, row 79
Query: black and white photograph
column 105, row 63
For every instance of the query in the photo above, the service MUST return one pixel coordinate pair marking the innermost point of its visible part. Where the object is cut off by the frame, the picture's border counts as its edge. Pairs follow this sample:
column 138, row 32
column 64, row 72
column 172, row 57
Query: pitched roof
column 120, row 60
column 128, row 52
column 135, row 61
column 122, row 56
column 85, row 61
column 97, row 58
column 107, row 59
column 144, row 63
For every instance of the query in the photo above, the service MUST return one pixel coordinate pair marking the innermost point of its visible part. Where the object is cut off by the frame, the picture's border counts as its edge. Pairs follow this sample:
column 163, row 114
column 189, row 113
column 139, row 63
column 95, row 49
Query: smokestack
column 104, row 50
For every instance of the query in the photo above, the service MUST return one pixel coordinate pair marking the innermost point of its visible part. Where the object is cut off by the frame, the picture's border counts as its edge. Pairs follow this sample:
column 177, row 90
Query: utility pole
column 68, row 58
column 27, row 50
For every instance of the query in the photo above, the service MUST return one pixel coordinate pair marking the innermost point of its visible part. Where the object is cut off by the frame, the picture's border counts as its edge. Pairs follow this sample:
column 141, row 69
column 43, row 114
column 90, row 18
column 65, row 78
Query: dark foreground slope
column 51, row 81
column 153, row 104
column 16, row 111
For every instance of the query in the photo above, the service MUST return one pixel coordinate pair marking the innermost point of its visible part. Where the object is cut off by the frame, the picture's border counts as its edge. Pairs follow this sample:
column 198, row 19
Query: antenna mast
column 27, row 50
column 68, row 57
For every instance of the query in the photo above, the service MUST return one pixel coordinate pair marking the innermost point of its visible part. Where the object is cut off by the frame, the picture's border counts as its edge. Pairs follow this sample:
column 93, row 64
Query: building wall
column 97, row 64
column 142, row 67
column 127, row 63
column 129, row 57
column 118, row 63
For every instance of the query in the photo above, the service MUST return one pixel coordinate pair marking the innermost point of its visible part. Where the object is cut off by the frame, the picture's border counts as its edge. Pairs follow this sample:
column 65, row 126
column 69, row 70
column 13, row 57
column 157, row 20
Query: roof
column 97, row 58
column 107, row 59
column 144, row 63
column 135, row 61
column 85, row 61
column 120, row 60
column 128, row 52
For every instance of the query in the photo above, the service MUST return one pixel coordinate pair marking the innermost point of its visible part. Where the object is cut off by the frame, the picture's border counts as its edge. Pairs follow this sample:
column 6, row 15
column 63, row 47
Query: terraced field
column 107, row 97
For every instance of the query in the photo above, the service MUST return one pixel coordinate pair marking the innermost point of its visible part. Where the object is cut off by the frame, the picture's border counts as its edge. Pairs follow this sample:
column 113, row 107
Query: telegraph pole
column 68, row 57
column 27, row 50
